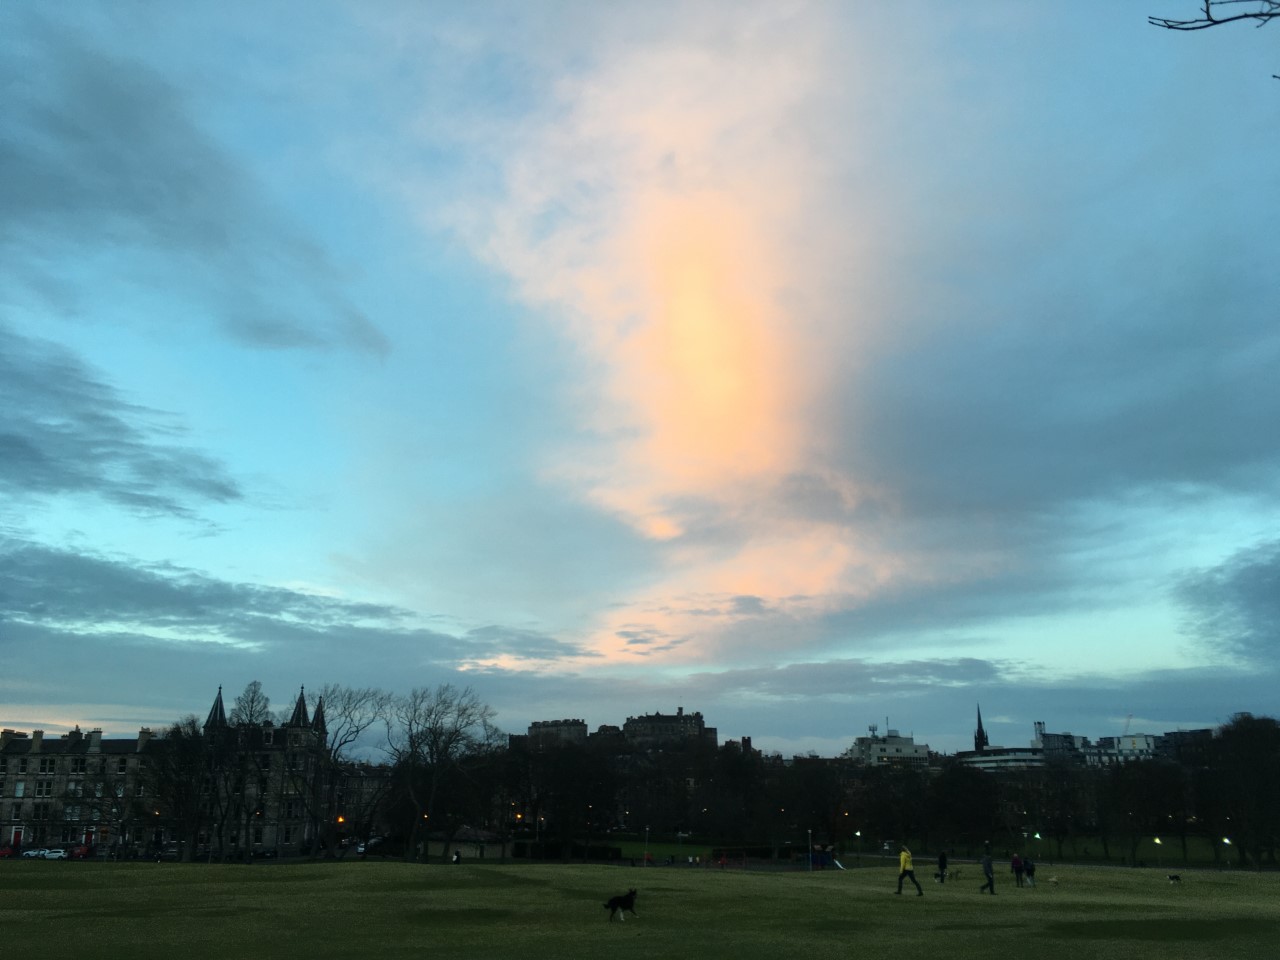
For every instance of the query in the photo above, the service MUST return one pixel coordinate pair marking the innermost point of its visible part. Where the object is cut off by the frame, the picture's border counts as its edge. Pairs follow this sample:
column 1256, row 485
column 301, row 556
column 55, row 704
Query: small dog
column 1175, row 878
column 621, row 904
column 1053, row 881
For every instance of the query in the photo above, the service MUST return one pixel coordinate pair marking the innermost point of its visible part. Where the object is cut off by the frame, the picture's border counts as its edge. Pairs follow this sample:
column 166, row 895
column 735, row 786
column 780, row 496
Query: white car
column 56, row 853
column 35, row 853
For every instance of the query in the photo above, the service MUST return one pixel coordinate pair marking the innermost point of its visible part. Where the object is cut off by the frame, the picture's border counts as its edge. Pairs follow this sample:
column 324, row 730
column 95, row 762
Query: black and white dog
column 623, row 903
column 1175, row 877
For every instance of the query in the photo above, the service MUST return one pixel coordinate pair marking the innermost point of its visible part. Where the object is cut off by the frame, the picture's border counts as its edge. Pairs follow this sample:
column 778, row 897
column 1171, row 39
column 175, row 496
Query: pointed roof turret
column 299, row 717
column 217, row 719
column 317, row 719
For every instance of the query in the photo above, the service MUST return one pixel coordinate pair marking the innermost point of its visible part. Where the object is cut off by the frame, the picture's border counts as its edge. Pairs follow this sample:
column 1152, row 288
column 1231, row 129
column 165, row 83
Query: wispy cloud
column 104, row 163
column 65, row 431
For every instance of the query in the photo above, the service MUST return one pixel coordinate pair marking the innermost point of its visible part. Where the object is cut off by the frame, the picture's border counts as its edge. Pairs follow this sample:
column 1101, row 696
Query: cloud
column 1235, row 606
column 64, row 431
column 103, row 165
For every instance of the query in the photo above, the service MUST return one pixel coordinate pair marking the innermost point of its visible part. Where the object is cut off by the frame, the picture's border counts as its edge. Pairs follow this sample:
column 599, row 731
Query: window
column 48, row 764
column 71, row 811
column 44, row 788
column 40, row 811
column 290, row 809
column 22, row 765
column 286, row 834
column 79, row 765
column 75, row 788
column 122, row 766
column 20, row 789
column 257, row 834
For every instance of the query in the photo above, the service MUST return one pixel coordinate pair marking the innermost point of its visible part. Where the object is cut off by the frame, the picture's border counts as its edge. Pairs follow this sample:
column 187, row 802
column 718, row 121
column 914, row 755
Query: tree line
column 431, row 763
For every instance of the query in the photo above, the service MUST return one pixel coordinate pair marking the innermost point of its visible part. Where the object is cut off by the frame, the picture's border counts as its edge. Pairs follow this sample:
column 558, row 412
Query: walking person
column 905, row 869
column 1029, row 868
column 988, row 871
column 1016, row 866
column 942, row 867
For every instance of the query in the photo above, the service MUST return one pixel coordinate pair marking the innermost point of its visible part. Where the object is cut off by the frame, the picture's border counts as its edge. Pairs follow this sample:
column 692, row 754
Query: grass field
column 142, row 911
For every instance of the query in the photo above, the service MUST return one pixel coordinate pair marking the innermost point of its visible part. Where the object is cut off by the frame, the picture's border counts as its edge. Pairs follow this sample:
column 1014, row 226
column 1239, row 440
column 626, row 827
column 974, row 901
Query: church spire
column 980, row 741
column 217, row 719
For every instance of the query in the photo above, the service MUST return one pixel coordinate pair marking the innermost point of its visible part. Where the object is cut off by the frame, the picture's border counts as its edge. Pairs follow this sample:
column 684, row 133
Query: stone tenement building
column 264, row 796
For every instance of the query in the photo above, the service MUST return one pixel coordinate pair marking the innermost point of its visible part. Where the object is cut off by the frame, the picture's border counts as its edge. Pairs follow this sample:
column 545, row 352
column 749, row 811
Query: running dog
column 621, row 904
column 1175, row 877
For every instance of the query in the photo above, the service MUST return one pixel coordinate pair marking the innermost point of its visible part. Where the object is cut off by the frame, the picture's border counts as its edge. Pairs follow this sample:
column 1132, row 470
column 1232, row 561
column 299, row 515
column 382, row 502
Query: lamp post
column 810, row 833
column 646, row 846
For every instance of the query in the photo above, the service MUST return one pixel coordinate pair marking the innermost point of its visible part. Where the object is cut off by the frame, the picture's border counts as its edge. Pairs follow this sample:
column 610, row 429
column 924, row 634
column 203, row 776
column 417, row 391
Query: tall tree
column 429, row 734
column 252, row 706
column 347, row 715
column 177, row 775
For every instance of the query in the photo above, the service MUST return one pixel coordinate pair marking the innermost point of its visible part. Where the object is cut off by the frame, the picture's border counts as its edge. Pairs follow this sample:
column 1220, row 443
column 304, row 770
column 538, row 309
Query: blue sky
column 804, row 364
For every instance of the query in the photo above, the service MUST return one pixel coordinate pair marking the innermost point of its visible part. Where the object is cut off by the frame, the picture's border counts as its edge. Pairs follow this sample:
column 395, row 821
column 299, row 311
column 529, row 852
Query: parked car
column 80, row 852
column 7, row 852
column 56, row 853
column 35, row 853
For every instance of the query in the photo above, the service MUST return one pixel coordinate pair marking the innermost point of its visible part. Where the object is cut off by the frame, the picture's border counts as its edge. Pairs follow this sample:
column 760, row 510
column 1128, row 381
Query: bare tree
column 178, row 776
column 430, row 732
column 348, row 713
column 1214, row 13
column 251, row 707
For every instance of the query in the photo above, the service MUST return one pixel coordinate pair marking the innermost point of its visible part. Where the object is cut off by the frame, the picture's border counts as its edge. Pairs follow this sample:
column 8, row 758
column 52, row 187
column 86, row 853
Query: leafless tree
column 252, row 706
column 349, row 713
column 429, row 733
column 1214, row 13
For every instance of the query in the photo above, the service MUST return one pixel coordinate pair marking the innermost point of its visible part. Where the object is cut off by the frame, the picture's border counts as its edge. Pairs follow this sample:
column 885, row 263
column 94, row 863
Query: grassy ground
column 142, row 911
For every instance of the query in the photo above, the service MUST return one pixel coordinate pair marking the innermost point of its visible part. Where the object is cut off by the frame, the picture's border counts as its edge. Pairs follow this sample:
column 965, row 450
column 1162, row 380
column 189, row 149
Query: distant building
column 553, row 732
column 892, row 749
column 995, row 759
column 1189, row 747
column 271, row 791
column 655, row 731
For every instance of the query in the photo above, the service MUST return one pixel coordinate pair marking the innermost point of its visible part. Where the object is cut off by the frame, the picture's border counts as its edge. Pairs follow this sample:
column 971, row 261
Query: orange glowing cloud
column 654, row 213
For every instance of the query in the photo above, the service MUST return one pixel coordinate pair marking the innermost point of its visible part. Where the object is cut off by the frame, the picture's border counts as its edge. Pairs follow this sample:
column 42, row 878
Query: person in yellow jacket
column 905, row 869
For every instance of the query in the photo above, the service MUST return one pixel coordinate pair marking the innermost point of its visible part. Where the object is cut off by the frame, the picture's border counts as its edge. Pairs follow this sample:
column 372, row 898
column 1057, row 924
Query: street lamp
column 810, row 832
column 646, row 846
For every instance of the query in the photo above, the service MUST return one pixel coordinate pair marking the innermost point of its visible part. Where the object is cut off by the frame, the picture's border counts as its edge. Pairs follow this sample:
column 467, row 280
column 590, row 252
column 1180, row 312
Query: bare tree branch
column 1261, row 11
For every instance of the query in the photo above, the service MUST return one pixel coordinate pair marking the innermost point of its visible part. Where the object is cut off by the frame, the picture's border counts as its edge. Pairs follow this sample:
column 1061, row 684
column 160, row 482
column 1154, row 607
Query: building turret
column 317, row 720
column 299, row 717
column 217, row 719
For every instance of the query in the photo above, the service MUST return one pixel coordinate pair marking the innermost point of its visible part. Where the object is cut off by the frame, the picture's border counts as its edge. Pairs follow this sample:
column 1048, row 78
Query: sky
column 808, row 365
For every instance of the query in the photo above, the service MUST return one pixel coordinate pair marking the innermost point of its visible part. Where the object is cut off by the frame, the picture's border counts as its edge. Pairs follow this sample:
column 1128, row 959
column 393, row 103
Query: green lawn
column 139, row 911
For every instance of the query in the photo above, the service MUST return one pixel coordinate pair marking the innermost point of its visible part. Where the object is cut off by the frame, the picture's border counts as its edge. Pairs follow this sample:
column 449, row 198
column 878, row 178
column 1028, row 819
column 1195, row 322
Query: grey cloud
column 63, row 430
column 494, row 640
column 1235, row 606
column 100, row 162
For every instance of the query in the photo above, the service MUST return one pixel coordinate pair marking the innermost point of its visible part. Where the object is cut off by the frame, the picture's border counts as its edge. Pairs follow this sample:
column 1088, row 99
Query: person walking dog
column 905, row 869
